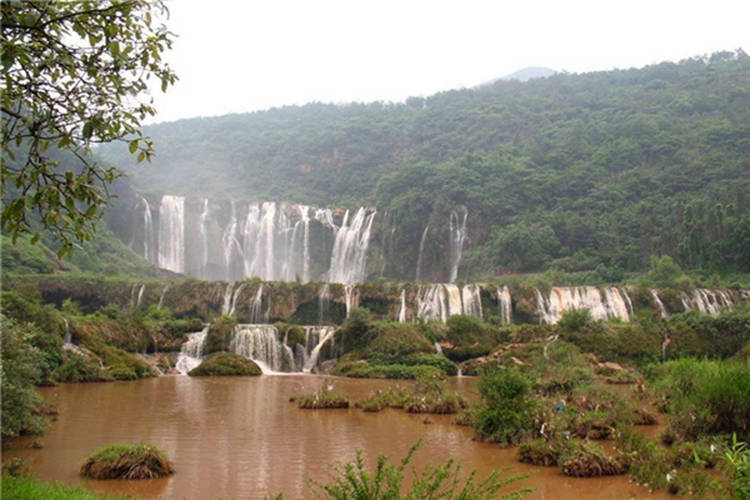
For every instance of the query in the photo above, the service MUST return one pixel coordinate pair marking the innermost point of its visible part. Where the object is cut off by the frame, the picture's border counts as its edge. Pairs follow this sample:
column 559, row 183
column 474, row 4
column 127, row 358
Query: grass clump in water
column 122, row 461
column 588, row 460
column 224, row 364
column 322, row 399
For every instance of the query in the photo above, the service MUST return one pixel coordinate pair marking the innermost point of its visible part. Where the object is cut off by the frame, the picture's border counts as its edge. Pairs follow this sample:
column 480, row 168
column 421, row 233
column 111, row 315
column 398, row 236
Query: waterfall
column 148, row 230
column 172, row 233
column 442, row 300
column 203, row 228
column 431, row 303
column 402, row 310
column 324, row 333
column 140, row 295
column 453, row 295
column 163, row 293
column 259, row 238
column 617, row 306
column 261, row 344
column 471, row 296
column 324, row 301
column 235, row 296
column 256, row 304
column 349, row 298
column 438, row 348
column 659, row 303
column 191, row 351
column 68, row 338
column 304, row 212
column 349, row 255
column 706, row 301
column 421, row 250
column 457, row 239
column 133, row 295
column 616, row 303
column 226, row 303
column 325, row 217
column 229, row 243
column 505, row 304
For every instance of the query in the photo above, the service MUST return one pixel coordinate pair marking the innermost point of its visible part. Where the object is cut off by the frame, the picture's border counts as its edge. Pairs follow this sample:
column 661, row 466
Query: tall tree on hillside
column 75, row 74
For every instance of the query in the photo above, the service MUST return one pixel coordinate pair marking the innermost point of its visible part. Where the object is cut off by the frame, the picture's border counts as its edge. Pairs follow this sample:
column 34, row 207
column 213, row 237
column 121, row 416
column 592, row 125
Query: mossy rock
column 122, row 461
column 224, row 364
column 219, row 334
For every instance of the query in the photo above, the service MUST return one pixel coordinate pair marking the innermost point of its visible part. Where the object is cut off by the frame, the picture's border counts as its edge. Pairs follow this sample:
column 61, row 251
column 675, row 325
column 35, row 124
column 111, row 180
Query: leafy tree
column 75, row 75
column 19, row 372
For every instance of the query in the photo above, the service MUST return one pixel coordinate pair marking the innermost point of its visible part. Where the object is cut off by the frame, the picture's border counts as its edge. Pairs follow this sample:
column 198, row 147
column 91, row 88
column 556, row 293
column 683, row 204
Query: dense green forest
column 572, row 172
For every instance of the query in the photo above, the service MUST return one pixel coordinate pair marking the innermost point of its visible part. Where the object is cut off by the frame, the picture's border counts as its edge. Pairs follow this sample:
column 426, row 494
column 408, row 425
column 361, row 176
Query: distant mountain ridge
column 522, row 75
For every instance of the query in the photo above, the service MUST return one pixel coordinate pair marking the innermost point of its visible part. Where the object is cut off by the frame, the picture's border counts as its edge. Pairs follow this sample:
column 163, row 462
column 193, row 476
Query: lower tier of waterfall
column 262, row 343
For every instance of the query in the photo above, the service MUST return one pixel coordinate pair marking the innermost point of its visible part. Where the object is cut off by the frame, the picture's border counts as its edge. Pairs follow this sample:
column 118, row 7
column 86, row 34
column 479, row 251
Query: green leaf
column 88, row 128
column 133, row 146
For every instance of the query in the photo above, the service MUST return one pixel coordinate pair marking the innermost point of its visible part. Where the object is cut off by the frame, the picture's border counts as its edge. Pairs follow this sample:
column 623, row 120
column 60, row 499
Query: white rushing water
column 349, row 255
column 226, row 303
column 402, row 309
column 140, row 295
column 322, row 335
column 706, row 301
column 349, row 298
column 457, row 238
column 235, row 295
column 261, row 343
column 657, row 300
column 615, row 304
column 505, row 304
column 324, row 302
column 256, row 305
column 421, row 251
column 203, row 237
column 148, row 230
column 191, row 351
column 442, row 300
column 172, row 233
column 163, row 294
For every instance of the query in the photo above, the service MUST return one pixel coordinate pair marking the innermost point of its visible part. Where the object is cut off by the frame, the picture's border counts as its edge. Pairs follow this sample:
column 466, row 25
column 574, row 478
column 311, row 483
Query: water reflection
column 241, row 438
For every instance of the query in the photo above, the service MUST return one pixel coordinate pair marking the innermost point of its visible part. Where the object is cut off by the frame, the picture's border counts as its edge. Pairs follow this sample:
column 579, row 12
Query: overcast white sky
column 237, row 56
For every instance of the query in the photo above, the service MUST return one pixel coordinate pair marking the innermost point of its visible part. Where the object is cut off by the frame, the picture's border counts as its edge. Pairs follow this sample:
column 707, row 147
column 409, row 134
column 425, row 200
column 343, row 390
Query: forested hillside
column 571, row 171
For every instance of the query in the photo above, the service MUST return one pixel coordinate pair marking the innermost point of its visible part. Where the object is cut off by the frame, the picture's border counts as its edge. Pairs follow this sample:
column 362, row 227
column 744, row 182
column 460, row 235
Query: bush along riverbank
column 554, row 402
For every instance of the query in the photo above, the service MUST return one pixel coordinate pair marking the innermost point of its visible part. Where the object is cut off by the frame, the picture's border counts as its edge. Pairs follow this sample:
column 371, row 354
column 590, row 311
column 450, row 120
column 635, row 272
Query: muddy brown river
column 241, row 438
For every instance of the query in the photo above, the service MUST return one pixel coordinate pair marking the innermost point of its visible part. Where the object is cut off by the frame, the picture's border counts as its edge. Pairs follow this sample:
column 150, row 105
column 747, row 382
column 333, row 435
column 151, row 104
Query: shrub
column 445, row 481
column 141, row 461
column 506, row 408
column 19, row 372
column 574, row 320
column 707, row 397
column 225, row 364
column 739, row 458
column 78, row 368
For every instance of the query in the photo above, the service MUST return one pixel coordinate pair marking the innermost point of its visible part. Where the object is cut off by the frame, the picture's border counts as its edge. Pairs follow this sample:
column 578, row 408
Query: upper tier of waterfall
column 274, row 241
